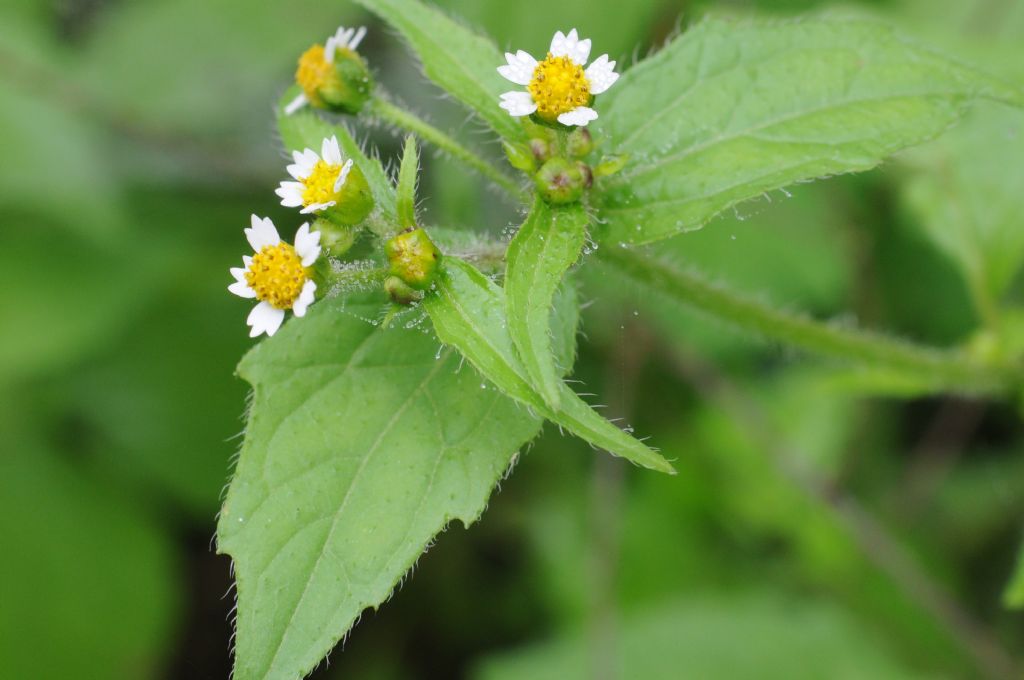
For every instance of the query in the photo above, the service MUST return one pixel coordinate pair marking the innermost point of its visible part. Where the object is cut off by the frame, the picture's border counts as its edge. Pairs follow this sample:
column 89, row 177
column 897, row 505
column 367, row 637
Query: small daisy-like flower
column 277, row 275
column 317, row 74
column 320, row 178
column 557, row 88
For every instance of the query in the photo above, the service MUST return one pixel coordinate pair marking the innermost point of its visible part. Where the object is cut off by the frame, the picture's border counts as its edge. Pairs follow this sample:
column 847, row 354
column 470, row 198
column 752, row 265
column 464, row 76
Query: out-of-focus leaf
column 1014, row 594
column 966, row 192
column 468, row 311
column 363, row 443
column 65, row 294
column 726, row 637
column 734, row 109
column 460, row 61
column 546, row 245
column 88, row 583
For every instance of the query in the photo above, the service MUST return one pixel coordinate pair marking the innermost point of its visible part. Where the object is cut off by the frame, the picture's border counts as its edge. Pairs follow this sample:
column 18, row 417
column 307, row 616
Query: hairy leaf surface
column 468, row 311
column 731, row 110
column 362, row 444
column 546, row 245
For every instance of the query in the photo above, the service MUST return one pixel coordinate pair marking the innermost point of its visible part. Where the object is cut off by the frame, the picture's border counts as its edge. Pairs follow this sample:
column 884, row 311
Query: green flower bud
column 580, row 143
column 413, row 257
column 561, row 181
column 335, row 239
column 541, row 149
column 400, row 292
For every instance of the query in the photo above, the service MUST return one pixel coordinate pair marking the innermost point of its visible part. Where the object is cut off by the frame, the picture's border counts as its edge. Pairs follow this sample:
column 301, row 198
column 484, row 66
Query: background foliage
column 860, row 536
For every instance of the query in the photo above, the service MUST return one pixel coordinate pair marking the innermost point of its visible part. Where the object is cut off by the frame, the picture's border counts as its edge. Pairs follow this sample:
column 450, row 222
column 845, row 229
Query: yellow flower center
column 277, row 275
column 319, row 185
column 558, row 86
column 314, row 72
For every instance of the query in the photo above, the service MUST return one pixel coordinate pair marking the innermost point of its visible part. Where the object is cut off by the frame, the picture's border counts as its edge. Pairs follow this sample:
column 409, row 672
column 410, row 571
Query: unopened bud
column 580, row 143
column 413, row 257
column 610, row 165
column 336, row 239
column 520, row 157
column 400, row 292
column 560, row 181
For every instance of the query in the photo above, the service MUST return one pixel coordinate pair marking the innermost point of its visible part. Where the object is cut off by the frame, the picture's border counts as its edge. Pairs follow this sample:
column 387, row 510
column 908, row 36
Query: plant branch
column 400, row 118
column 940, row 370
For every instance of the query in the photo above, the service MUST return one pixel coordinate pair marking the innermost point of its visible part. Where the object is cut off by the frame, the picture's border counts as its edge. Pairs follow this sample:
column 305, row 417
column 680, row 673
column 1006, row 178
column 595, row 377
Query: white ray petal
column 307, row 245
column 242, row 289
column 601, row 74
column 518, row 103
column 304, row 162
column 305, row 299
column 295, row 104
column 343, row 175
column 317, row 207
column 290, row 194
column 571, row 46
column 520, row 67
column 262, row 233
column 353, row 44
column 330, row 151
column 264, row 318
column 581, row 115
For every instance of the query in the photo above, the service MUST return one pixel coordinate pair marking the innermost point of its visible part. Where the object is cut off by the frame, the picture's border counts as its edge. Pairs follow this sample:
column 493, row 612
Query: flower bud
column 560, row 181
column 413, row 257
column 580, row 143
column 336, row 239
column 400, row 292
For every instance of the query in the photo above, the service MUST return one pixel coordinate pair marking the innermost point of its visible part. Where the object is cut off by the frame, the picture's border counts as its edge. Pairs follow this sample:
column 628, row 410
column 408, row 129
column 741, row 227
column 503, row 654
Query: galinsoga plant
column 364, row 437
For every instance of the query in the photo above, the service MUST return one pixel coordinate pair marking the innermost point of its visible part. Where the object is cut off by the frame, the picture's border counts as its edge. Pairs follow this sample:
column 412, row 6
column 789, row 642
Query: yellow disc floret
column 319, row 185
column 277, row 275
column 558, row 86
column 314, row 72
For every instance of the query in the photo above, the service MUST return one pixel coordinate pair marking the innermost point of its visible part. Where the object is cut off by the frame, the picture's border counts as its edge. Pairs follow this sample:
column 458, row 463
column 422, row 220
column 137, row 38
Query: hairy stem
column 406, row 120
column 938, row 369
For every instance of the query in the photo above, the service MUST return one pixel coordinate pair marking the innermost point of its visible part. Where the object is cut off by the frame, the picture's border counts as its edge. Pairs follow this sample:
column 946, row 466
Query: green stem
column 941, row 369
column 406, row 120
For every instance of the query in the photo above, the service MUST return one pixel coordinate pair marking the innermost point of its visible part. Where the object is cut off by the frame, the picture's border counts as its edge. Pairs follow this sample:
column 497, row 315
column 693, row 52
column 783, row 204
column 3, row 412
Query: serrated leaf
column 362, row 444
column 468, row 311
column 546, row 245
column 967, row 193
column 732, row 110
column 307, row 129
column 460, row 61
column 408, row 172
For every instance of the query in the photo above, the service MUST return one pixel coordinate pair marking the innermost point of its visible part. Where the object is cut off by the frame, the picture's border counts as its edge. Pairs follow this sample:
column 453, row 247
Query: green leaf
column 732, row 110
column 468, row 311
column 548, row 243
column 362, row 444
column 967, row 193
column 408, row 173
column 460, row 61
column 306, row 129
column 727, row 637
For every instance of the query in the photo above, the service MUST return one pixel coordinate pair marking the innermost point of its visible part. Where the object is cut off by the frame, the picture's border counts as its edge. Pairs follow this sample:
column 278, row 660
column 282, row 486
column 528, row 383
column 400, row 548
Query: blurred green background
column 821, row 526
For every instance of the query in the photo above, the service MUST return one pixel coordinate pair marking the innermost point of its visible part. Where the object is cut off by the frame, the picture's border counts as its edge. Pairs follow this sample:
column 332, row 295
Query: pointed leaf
column 460, row 61
column 468, row 311
column 732, row 110
column 362, row 444
column 548, row 243
column 408, row 172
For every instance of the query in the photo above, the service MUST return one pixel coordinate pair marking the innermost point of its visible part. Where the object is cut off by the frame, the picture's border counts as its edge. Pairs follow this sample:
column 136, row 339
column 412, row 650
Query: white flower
column 317, row 63
column 320, row 178
column 277, row 275
column 557, row 88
